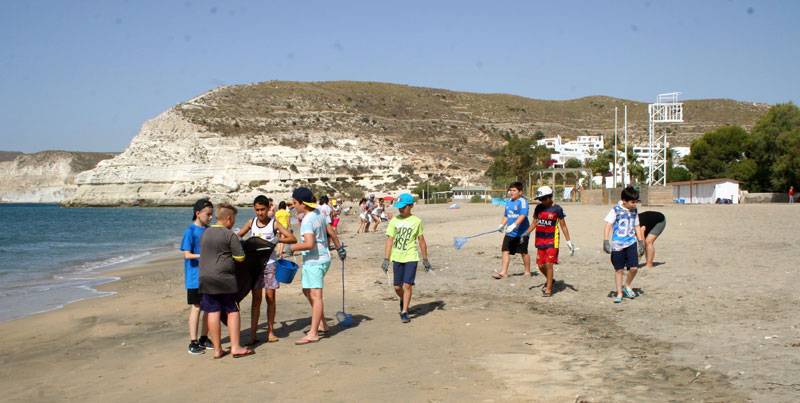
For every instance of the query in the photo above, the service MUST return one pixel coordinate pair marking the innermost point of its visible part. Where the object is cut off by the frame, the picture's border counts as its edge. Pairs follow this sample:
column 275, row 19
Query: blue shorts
column 404, row 273
column 314, row 274
column 225, row 303
column 625, row 259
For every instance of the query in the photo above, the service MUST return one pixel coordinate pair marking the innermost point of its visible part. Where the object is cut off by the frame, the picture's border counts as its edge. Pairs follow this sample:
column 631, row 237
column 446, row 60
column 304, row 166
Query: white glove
column 501, row 228
column 511, row 228
column 571, row 247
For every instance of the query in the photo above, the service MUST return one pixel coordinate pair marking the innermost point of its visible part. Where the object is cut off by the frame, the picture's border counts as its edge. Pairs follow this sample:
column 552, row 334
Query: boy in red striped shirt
column 547, row 218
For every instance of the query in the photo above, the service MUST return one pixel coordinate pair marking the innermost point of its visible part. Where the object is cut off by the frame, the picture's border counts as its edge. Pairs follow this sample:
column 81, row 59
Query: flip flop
column 498, row 276
column 304, row 341
column 272, row 338
column 245, row 354
column 224, row 353
column 546, row 294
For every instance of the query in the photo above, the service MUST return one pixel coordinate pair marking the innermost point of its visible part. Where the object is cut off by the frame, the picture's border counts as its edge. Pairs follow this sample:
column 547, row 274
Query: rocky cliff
column 346, row 138
column 44, row 177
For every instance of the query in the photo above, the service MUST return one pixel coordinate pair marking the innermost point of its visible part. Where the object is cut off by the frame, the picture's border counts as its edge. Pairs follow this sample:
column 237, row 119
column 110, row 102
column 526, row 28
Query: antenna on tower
column 667, row 109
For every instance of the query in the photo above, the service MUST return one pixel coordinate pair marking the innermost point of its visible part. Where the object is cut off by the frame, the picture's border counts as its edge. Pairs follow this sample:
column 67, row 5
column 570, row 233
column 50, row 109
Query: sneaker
column 196, row 349
column 206, row 343
column 628, row 293
column 404, row 317
column 617, row 299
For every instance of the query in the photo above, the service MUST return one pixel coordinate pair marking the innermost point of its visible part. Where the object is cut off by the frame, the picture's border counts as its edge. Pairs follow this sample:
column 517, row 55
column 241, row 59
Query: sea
column 51, row 256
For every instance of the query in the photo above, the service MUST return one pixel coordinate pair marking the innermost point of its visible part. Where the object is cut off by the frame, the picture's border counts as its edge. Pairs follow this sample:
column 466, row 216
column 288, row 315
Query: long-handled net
column 460, row 241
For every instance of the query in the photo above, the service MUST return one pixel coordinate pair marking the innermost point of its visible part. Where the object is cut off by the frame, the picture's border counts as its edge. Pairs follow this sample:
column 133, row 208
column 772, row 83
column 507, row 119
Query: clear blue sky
column 84, row 75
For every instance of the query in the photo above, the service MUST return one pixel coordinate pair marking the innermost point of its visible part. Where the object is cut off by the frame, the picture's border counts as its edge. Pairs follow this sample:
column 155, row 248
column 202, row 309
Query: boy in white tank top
column 265, row 227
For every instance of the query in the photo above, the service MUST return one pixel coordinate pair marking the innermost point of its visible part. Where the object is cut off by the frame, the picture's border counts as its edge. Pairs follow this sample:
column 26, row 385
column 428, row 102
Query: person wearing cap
column 402, row 235
column 313, row 244
column 514, row 225
column 623, row 239
column 548, row 218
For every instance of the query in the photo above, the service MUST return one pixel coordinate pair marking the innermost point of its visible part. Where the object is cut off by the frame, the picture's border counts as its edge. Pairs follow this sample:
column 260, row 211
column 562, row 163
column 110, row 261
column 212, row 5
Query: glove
column 385, row 265
column 342, row 252
column 427, row 265
column 501, row 228
column 525, row 237
column 607, row 246
column 640, row 247
column 571, row 247
column 511, row 228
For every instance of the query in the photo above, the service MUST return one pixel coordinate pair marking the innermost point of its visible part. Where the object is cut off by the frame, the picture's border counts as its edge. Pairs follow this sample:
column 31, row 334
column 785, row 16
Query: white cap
column 543, row 191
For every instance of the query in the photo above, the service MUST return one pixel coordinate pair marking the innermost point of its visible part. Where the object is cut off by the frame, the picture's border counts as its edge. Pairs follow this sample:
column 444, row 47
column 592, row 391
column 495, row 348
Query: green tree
column 428, row 188
column 678, row 174
column 786, row 169
column 720, row 154
column 573, row 163
column 599, row 165
column 771, row 148
column 516, row 159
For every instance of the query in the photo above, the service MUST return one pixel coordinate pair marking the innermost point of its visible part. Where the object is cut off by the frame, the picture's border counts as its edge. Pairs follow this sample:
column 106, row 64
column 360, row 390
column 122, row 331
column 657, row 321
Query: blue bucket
column 285, row 270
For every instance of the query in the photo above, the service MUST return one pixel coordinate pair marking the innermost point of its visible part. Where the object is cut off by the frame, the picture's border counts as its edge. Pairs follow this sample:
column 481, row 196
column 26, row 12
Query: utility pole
column 625, row 131
column 615, row 147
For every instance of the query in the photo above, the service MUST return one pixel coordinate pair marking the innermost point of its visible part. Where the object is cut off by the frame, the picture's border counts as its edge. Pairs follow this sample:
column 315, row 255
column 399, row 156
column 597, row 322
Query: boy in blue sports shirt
column 515, row 224
column 190, row 245
column 623, row 238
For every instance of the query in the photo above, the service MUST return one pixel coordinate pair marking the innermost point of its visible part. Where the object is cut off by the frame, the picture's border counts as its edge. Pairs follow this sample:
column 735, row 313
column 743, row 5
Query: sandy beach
column 717, row 321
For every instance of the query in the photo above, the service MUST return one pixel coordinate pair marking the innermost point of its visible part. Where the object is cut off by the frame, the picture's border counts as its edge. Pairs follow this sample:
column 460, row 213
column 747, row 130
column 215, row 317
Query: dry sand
column 718, row 321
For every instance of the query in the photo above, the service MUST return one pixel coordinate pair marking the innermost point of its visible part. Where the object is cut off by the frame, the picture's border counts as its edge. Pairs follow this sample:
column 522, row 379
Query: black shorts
column 193, row 296
column 627, row 258
column 224, row 303
column 514, row 245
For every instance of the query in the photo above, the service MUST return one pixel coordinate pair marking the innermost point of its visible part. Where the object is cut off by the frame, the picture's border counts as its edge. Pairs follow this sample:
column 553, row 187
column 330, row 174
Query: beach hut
column 707, row 191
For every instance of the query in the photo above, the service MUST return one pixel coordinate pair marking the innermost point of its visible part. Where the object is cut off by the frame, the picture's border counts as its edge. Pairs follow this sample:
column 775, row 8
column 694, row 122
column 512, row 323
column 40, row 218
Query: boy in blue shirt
column 515, row 224
column 190, row 245
column 624, row 240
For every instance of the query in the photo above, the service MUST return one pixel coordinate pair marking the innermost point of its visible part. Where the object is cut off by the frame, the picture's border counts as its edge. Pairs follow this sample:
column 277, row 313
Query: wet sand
column 717, row 321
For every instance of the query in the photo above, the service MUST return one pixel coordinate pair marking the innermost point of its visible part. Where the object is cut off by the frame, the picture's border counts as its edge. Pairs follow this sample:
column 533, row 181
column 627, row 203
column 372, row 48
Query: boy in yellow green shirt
column 402, row 235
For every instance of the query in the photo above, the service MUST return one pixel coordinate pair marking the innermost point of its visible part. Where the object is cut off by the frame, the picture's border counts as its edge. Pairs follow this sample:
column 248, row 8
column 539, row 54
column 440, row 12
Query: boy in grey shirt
column 220, row 249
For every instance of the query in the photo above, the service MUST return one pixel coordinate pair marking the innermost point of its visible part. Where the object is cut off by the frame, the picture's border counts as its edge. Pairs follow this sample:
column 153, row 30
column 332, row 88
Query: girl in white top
column 265, row 227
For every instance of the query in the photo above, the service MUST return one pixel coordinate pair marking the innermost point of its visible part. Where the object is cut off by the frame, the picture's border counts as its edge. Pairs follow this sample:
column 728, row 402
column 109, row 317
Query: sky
column 84, row 75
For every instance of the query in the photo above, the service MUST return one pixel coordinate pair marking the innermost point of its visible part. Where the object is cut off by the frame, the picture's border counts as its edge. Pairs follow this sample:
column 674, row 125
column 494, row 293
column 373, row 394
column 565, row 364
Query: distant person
column 623, row 239
column 190, row 245
column 325, row 209
column 402, row 235
column 548, row 218
column 314, row 233
column 514, row 225
column 283, row 215
column 220, row 250
column 379, row 214
column 791, row 194
column 335, row 215
column 653, row 224
column 266, row 285
column 363, row 216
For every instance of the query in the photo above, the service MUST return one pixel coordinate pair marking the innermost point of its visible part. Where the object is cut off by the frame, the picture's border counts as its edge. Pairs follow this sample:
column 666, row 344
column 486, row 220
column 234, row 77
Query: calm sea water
column 50, row 256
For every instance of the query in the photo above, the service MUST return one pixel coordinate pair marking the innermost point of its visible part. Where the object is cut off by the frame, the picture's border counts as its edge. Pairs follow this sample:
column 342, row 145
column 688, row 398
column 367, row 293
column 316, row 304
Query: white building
column 643, row 154
column 584, row 148
column 707, row 191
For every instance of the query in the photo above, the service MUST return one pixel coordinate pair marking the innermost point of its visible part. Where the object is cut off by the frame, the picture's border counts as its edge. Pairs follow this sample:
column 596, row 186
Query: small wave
column 87, row 267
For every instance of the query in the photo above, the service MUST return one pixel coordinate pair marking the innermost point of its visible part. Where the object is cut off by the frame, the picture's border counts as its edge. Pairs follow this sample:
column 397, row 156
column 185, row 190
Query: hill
column 350, row 137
